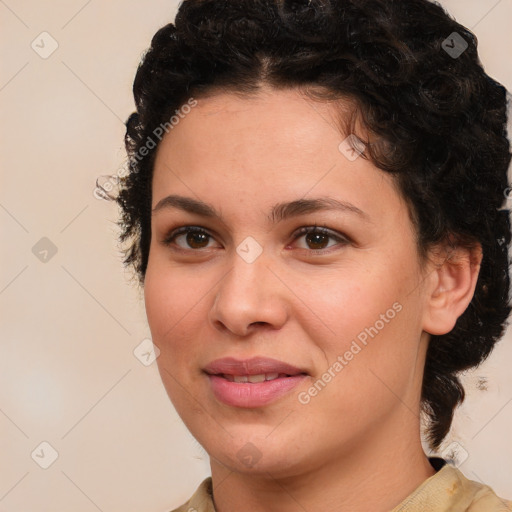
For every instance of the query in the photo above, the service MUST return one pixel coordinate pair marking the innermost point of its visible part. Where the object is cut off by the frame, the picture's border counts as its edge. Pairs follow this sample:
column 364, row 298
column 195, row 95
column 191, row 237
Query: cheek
column 171, row 293
column 171, row 301
column 370, row 319
column 174, row 312
column 349, row 300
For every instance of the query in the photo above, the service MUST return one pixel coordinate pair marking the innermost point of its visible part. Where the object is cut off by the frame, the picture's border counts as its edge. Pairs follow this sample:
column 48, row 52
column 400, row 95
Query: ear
column 452, row 276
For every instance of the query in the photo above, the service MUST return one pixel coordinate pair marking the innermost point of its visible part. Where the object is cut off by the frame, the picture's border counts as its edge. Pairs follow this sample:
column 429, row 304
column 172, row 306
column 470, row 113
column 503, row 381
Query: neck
column 374, row 477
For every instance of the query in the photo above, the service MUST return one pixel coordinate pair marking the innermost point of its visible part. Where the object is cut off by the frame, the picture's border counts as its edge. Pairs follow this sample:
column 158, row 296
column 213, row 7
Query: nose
column 249, row 297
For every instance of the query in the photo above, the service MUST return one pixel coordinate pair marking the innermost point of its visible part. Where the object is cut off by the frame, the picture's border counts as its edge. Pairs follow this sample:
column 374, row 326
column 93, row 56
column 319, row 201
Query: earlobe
column 452, row 281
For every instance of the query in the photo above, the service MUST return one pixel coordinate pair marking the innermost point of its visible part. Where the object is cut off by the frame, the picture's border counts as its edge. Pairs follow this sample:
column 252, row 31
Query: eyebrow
column 278, row 213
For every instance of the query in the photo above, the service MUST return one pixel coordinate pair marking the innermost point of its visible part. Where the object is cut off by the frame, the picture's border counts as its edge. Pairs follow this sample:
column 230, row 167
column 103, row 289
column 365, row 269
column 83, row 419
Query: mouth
column 254, row 379
column 252, row 383
column 262, row 368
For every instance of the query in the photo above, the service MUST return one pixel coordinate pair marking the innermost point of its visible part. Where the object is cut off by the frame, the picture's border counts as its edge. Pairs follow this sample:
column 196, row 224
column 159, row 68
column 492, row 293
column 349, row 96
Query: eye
column 189, row 237
column 317, row 238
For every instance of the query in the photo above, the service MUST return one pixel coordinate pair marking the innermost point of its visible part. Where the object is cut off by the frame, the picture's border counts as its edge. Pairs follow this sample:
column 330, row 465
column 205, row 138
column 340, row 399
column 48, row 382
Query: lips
column 252, row 383
column 253, row 379
column 256, row 366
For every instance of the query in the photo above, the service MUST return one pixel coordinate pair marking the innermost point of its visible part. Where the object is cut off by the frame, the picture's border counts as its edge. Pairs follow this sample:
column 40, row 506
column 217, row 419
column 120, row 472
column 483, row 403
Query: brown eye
column 197, row 240
column 189, row 237
column 317, row 241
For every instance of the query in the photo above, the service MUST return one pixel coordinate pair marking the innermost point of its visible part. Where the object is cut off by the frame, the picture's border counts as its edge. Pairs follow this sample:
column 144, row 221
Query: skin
column 356, row 445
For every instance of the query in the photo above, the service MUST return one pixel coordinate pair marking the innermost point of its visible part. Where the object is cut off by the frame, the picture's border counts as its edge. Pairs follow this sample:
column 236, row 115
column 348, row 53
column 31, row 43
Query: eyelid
column 340, row 238
column 323, row 230
column 304, row 230
column 174, row 233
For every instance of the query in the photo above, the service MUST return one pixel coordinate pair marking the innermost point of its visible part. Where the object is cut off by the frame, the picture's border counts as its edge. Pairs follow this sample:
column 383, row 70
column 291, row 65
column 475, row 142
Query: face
column 278, row 252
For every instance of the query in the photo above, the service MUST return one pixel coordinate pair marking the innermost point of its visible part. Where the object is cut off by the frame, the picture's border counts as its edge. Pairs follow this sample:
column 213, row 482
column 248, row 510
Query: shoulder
column 447, row 491
column 450, row 491
column 201, row 500
column 483, row 498
column 479, row 497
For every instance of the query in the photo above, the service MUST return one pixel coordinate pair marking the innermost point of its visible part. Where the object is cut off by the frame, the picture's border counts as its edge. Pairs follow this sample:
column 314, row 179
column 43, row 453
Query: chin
column 258, row 456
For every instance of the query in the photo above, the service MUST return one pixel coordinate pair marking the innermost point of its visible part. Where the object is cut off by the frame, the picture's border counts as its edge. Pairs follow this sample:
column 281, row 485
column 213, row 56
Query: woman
column 314, row 210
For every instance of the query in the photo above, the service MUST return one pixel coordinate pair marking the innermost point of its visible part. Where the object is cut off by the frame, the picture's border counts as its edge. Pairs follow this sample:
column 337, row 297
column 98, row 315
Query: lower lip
column 248, row 395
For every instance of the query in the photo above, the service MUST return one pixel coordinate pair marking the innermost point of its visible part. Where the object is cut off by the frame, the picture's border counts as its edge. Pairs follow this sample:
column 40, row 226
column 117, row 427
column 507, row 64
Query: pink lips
column 282, row 378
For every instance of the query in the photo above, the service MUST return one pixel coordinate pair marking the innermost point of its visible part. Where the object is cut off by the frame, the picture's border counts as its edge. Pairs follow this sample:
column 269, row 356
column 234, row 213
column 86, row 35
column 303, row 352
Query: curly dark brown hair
column 441, row 118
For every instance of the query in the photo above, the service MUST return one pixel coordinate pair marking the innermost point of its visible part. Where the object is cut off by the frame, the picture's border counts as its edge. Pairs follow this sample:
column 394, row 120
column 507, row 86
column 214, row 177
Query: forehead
column 278, row 145
column 288, row 114
column 270, row 128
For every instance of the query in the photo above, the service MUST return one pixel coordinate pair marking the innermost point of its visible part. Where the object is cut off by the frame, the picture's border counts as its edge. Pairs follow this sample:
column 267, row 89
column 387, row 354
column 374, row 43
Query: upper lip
column 253, row 366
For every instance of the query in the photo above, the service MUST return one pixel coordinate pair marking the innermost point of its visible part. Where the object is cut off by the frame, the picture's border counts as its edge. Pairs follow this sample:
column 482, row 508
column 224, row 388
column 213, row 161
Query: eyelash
column 341, row 239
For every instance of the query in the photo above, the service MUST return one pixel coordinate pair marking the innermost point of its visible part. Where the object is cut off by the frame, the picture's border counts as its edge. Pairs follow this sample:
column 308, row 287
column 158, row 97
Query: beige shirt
column 446, row 491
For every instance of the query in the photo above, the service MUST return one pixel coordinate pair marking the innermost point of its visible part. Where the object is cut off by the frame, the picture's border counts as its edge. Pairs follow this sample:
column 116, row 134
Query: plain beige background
column 71, row 321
